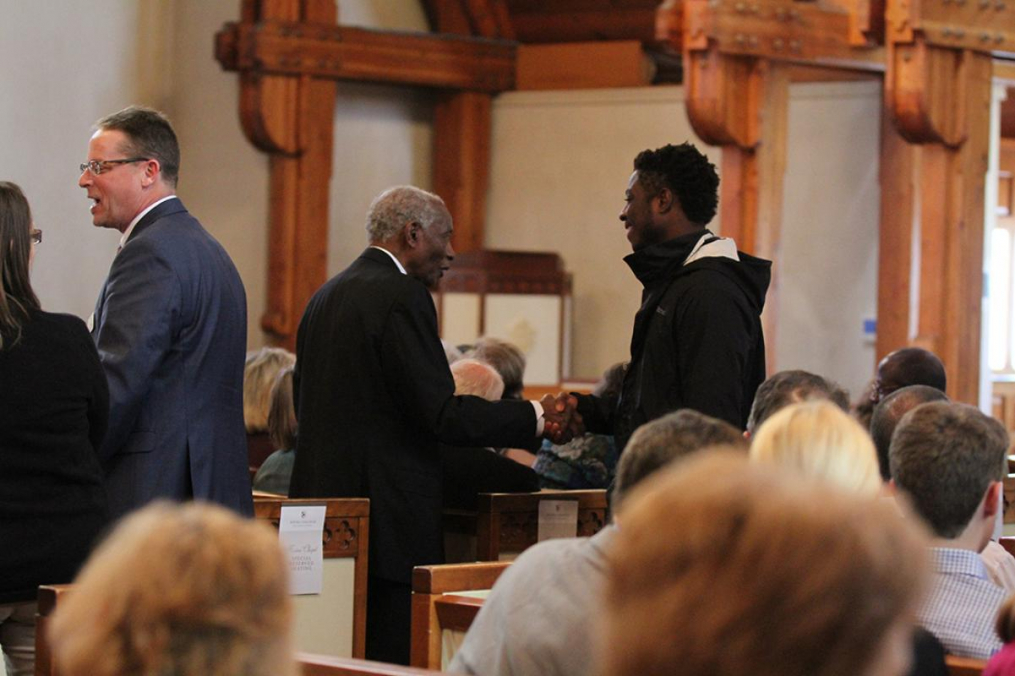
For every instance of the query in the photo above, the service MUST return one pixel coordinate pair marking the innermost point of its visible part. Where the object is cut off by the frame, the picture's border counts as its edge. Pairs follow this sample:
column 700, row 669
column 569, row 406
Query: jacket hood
column 665, row 261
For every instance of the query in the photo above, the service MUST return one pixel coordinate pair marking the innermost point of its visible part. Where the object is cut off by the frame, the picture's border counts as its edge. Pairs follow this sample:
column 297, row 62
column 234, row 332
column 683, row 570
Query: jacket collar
column 170, row 206
column 658, row 261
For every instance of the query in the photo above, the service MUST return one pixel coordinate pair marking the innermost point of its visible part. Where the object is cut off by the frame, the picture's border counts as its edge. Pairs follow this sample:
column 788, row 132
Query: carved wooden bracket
column 289, row 54
column 930, row 48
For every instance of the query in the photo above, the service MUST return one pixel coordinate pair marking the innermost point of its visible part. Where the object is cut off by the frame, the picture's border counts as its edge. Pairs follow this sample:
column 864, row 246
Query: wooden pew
column 438, row 604
column 325, row 665
column 964, row 666
column 49, row 597
column 505, row 524
column 334, row 622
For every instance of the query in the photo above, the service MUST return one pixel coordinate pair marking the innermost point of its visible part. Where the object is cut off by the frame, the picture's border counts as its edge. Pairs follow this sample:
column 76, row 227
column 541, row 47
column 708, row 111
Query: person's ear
column 664, row 200
column 992, row 502
column 413, row 233
column 152, row 170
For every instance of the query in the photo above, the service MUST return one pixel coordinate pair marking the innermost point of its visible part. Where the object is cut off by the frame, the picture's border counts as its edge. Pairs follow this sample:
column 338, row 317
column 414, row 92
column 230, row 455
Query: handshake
column 562, row 422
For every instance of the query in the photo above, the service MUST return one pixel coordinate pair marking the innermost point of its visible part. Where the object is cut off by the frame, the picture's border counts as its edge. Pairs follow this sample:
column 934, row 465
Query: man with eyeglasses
column 170, row 327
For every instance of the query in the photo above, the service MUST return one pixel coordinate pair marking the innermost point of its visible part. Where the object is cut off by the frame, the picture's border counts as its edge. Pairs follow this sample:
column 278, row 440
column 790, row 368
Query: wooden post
column 461, row 172
column 741, row 104
column 939, row 97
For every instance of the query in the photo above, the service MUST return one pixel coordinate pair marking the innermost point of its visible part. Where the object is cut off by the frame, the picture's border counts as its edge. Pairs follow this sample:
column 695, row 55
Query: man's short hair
column 725, row 567
column 507, row 358
column 944, row 455
column 791, row 387
column 659, row 442
column 477, row 378
column 282, row 425
column 687, row 173
column 395, row 207
column 889, row 412
column 149, row 135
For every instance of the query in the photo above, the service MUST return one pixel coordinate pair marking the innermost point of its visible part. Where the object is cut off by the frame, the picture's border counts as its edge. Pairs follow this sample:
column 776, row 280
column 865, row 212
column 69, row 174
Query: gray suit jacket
column 170, row 327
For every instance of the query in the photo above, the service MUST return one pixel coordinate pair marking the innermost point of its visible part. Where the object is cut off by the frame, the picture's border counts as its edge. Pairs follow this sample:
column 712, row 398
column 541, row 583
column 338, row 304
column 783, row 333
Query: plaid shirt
column 962, row 604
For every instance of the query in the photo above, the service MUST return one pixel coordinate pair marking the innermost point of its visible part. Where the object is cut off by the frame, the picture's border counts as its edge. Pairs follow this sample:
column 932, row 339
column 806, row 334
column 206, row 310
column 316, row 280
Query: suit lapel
column 171, row 206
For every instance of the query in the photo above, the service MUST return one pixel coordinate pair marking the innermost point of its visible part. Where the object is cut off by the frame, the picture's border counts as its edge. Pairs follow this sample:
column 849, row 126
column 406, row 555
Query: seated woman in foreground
column 762, row 573
column 190, row 590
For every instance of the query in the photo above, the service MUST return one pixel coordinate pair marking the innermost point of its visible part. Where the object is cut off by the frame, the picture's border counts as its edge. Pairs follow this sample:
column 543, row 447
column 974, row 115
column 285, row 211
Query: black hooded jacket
column 697, row 339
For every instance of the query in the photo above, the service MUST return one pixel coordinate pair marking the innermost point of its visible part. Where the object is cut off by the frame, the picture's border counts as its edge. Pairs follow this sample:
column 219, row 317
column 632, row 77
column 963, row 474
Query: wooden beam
column 462, row 127
column 586, row 21
column 813, row 33
column 343, row 53
column 584, row 65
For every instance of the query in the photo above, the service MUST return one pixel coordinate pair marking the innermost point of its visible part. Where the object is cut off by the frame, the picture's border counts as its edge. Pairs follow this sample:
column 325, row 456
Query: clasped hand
column 562, row 422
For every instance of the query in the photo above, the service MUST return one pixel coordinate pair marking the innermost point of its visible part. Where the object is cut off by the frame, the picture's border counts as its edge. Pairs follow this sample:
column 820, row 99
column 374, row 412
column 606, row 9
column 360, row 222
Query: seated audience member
column 274, row 474
column 862, row 407
column 818, row 439
column 470, row 471
column 506, row 359
column 791, row 387
column 1003, row 663
column 725, row 568
column 949, row 461
column 259, row 374
column 54, row 403
column 187, row 590
column 1000, row 564
column 889, row 412
column 539, row 617
column 451, row 352
column 589, row 460
column 905, row 367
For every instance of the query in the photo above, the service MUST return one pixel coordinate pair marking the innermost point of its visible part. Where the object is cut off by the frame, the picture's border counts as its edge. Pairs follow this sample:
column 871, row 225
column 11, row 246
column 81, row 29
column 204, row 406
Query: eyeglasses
column 36, row 234
column 97, row 167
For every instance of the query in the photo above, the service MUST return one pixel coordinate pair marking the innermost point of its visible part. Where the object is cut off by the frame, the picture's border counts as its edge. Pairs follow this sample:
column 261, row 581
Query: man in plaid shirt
column 950, row 460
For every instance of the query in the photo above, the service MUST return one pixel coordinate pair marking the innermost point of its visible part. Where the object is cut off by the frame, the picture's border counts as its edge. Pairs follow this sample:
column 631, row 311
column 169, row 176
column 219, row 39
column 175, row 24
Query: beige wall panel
column 323, row 622
column 828, row 260
column 532, row 322
column 460, row 317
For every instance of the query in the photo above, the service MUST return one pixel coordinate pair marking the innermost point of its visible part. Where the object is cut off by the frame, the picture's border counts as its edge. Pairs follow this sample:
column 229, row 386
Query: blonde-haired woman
column 190, row 590
column 818, row 439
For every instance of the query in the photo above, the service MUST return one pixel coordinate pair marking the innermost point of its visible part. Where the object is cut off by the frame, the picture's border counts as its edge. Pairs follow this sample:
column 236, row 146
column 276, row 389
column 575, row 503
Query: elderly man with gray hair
column 375, row 398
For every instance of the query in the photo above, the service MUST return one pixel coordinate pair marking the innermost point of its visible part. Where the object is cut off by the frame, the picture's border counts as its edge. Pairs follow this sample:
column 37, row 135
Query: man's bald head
column 889, row 412
column 908, row 366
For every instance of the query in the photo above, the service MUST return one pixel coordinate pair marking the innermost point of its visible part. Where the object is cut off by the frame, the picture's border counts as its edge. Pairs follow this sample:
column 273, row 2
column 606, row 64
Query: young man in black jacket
column 697, row 339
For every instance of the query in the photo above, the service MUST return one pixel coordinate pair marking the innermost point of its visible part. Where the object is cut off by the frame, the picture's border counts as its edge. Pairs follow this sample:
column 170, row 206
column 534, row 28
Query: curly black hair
column 687, row 173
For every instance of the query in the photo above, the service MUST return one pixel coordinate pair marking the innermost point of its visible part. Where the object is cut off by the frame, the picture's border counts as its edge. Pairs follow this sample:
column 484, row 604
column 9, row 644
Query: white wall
column 828, row 263
column 62, row 66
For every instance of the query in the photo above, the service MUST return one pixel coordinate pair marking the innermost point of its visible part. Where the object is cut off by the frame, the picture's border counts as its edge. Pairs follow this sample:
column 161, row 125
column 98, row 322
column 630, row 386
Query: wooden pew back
column 505, row 524
column 325, row 665
column 964, row 666
column 436, row 607
column 322, row 623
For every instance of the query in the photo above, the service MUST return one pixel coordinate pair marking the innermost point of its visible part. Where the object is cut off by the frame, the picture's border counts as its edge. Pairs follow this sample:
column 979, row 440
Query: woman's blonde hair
column 191, row 590
column 722, row 567
column 818, row 439
column 259, row 373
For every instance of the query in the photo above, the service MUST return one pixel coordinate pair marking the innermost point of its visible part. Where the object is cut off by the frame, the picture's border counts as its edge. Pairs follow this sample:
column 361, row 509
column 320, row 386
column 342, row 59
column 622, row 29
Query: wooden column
column 461, row 163
column 291, row 117
column 740, row 103
column 289, row 53
column 938, row 97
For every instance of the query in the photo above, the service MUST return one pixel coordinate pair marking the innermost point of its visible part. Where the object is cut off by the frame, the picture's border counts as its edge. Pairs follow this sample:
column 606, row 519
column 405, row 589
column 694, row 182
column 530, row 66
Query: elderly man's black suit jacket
column 374, row 397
